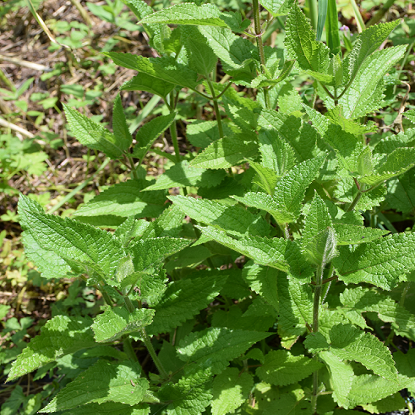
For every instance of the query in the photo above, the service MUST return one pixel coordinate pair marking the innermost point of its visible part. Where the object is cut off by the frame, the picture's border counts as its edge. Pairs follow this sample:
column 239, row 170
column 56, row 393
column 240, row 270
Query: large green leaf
column 366, row 43
column 282, row 368
column 165, row 68
column 233, row 219
column 227, row 152
column 183, row 299
column 380, row 262
column 401, row 192
column 125, row 199
column 365, row 92
column 188, row 14
column 230, row 390
column 182, row 175
column 102, row 382
column 83, row 247
column 117, row 321
column 213, row 348
column 350, row 343
column 60, row 335
column 144, row 82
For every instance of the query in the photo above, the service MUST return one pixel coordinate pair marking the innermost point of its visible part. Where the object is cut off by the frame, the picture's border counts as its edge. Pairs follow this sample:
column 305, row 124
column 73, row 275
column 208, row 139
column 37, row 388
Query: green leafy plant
column 266, row 293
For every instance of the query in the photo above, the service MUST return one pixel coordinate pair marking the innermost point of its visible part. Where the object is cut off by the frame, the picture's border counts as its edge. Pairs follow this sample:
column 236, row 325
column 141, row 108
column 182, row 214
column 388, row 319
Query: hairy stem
column 316, row 308
column 128, row 348
column 153, row 354
column 260, row 45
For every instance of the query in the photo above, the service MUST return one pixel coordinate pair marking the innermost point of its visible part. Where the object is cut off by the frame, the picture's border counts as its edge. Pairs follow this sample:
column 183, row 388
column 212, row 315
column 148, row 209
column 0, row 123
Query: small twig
column 26, row 64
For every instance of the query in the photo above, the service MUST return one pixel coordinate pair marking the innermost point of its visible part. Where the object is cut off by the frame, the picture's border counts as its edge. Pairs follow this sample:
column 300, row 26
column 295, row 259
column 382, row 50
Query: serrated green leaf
column 60, row 335
column 144, row 82
column 213, row 348
column 348, row 234
column 117, row 321
column 233, row 219
column 183, row 299
column 365, row 44
column 362, row 300
column 200, row 55
column 150, row 252
column 109, row 408
column 188, row 14
column 299, row 135
column 296, row 306
column 405, row 363
column 379, row 263
column 277, row 7
column 318, row 241
column 263, row 280
column 119, row 125
column 282, row 368
column 48, row 263
column 316, row 342
column 83, row 247
column 202, row 133
column 401, row 192
column 341, row 374
column 182, row 175
column 149, row 133
column 300, row 42
column 125, row 199
column 365, row 92
column 235, row 53
column 276, row 154
column 390, row 404
column 230, row 390
column 165, row 68
column 227, row 152
column 169, row 223
column 103, row 382
column 93, row 135
column 291, row 403
column 350, row 343
column 365, row 163
column 266, row 178
column 348, row 147
column 189, row 396
column 396, row 163
column 368, row 388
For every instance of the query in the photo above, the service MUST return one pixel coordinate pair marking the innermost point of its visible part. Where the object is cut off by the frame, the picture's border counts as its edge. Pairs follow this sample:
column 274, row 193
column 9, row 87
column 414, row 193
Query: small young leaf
column 119, row 125
column 282, row 368
column 310, row 54
column 103, row 382
column 93, row 135
column 149, row 133
column 117, row 321
column 60, row 335
column 277, row 7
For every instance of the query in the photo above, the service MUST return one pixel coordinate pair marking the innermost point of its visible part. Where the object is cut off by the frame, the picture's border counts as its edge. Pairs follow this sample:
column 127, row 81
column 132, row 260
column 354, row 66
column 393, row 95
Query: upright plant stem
column 316, row 309
column 216, row 108
column 173, row 131
column 147, row 342
column 312, row 5
column 260, row 45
